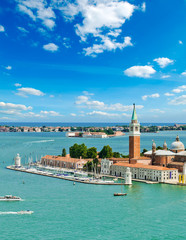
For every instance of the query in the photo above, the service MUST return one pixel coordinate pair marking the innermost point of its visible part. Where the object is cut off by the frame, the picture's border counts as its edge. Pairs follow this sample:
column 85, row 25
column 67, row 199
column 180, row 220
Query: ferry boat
column 10, row 198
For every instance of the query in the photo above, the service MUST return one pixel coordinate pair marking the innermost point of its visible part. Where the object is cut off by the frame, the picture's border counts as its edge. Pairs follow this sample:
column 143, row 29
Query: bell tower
column 134, row 136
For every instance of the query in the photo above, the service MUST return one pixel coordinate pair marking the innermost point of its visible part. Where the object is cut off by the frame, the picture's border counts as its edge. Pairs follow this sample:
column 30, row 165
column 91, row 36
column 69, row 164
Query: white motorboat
column 25, row 212
column 10, row 198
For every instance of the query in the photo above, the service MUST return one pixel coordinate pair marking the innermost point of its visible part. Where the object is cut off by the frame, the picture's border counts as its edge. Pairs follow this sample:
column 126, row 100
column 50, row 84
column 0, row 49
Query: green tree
column 106, row 152
column 64, row 153
column 77, row 151
column 109, row 131
column 92, row 152
column 159, row 148
column 116, row 155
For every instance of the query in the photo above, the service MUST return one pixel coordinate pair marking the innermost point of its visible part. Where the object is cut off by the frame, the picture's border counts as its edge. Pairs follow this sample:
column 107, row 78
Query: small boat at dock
column 10, row 198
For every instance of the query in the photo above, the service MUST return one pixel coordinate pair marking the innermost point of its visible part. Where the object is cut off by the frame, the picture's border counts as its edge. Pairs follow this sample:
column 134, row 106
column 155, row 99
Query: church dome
column 177, row 145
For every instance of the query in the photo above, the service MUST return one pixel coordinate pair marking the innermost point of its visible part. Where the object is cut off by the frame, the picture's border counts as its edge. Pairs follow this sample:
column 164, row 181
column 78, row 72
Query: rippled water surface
column 64, row 211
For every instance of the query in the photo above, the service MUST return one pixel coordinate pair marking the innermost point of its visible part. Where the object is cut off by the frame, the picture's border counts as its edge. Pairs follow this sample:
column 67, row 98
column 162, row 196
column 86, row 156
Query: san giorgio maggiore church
column 158, row 165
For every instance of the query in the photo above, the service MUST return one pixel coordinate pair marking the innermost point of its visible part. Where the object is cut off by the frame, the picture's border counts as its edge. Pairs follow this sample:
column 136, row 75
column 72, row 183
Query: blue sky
column 90, row 60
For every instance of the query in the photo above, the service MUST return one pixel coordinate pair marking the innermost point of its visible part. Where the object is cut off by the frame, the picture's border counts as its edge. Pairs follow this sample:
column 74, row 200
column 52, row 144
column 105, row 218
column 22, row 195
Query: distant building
column 105, row 166
column 94, row 135
column 145, row 172
column 63, row 162
column 173, row 158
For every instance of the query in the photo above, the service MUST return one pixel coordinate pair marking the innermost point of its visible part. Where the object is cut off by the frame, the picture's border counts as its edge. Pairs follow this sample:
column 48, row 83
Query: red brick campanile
column 134, row 137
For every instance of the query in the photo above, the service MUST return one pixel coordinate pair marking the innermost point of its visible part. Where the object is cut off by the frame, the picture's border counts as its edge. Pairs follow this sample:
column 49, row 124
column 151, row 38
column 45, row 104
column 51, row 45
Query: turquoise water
column 64, row 211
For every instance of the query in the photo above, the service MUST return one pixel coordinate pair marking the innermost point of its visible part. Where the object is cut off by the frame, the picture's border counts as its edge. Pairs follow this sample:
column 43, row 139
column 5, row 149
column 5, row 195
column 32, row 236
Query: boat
column 25, row 212
column 10, row 198
column 120, row 194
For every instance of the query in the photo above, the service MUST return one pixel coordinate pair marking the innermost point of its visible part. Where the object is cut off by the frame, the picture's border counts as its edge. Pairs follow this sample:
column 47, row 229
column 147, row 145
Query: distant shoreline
column 79, row 131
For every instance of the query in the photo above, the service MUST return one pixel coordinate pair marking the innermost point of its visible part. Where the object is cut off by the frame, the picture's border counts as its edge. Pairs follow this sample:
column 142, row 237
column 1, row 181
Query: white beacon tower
column 128, row 176
column 17, row 160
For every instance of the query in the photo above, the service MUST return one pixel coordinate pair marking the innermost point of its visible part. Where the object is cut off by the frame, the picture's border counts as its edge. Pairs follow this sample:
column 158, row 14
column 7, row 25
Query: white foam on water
column 16, row 213
column 42, row 141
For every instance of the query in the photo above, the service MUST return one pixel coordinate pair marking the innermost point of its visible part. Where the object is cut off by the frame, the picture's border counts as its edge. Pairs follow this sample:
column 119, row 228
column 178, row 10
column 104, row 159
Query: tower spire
column 134, row 115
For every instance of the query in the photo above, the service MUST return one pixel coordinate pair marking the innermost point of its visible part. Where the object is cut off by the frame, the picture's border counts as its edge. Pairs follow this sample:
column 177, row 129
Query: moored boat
column 120, row 194
column 10, row 198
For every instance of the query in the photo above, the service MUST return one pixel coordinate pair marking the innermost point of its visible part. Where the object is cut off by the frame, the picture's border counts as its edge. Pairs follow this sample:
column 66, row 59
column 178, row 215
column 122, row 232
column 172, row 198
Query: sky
column 90, row 60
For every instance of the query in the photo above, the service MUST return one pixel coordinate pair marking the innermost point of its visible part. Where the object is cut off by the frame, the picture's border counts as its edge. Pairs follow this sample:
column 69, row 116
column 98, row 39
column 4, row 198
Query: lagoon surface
column 64, row 211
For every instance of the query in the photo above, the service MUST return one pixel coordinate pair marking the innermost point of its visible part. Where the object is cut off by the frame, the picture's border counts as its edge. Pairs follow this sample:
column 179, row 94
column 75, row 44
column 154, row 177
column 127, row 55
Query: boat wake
column 16, row 213
column 43, row 141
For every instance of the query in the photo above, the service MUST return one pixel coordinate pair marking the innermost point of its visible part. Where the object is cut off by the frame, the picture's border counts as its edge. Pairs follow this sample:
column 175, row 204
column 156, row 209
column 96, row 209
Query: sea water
column 66, row 211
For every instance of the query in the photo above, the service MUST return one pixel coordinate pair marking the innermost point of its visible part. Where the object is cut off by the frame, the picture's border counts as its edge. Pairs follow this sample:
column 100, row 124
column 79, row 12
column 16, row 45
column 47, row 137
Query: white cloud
column 51, row 96
column 169, row 94
column 163, row 62
column 23, row 92
column 50, row 113
column 73, row 114
column 103, row 114
column 181, row 100
column 140, row 71
column 143, row 7
column 50, row 47
column 66, row 42
column 179, row 89
column 38, row 10
column 157, row 110
column 107, row 44
column 183, row 73
column 22, row 30
column 87, row 93
column 165, row 76
column 13, row 106
column 2, row 29
column 102, row 20
column 8, row 67
column 17, row 85
column 81, row 99
column 85, row 102
column 180, row 42
column 155, row 95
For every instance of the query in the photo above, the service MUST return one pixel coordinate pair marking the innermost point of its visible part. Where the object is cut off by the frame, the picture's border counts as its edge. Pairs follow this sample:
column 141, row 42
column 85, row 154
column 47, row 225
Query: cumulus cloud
column 38, row 10
column 73, row 114
column 81, row 99
column 2, row 29
column 8, row 67
column 183, row 73
column 101, row 21
column 155, row 95
column 181, row 100
column 50, row 113
column 13, row 106
column 103, row 114
column 140, row 71
column 86, row 102
column 50, row 47
column 180, row 42
column 24, row 92
column 108, row 45
column 169, row 94
column 179, row 89
column 163, row 61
